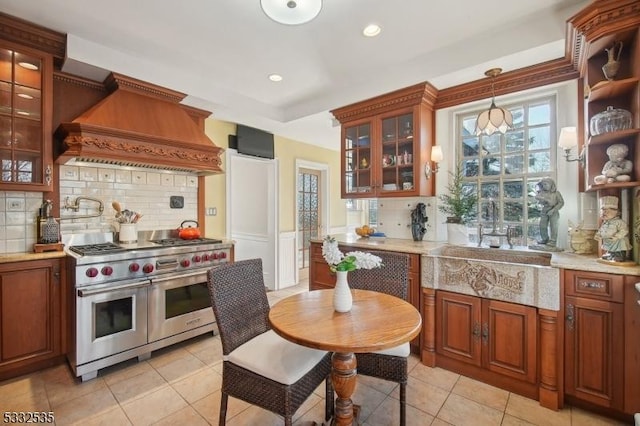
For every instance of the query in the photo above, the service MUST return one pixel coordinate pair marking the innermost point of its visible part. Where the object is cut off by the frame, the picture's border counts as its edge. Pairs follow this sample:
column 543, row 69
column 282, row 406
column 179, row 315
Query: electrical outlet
column 212, row 211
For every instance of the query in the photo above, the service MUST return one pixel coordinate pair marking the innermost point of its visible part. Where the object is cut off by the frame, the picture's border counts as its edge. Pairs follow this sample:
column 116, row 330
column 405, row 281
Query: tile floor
column 180, row 385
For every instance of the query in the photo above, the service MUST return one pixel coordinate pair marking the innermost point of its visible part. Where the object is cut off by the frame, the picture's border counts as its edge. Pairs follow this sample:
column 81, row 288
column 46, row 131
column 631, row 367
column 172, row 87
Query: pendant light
column 494, row 118
column 291, row 12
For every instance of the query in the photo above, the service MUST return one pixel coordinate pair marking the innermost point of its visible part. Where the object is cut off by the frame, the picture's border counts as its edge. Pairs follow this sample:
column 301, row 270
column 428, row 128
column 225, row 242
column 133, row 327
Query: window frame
column 526, row 228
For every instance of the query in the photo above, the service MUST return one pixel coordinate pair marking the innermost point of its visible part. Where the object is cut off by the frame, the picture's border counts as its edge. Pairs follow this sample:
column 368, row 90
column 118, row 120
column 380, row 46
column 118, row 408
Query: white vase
column 342, row 299
column 457, row 234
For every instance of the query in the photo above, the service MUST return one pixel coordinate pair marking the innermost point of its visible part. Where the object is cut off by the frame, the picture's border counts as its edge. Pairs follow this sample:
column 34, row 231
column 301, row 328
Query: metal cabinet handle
column 591, row 284
column 569, row 317
column 476, row 331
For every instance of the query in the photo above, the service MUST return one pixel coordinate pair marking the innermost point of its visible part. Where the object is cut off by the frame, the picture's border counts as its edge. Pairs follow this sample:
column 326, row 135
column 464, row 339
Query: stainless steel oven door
column 177, row 303
column 110, row 319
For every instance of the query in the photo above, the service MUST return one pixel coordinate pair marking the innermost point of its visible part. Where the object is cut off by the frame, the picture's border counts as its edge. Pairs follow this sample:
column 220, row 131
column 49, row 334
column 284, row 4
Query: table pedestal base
column 343, row 377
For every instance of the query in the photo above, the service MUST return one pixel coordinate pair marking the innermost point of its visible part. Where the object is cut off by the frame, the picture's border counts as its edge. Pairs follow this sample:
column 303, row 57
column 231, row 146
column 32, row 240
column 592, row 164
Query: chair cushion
column 403, row 350
column 272, row 356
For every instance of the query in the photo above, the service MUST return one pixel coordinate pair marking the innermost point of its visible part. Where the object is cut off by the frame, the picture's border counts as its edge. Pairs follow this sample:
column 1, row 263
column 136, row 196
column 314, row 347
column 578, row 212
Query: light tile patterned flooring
column 180, row 385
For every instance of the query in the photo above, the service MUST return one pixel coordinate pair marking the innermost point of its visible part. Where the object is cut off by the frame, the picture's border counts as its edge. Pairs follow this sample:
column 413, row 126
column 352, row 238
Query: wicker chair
column 260, row 367
column 389, row 364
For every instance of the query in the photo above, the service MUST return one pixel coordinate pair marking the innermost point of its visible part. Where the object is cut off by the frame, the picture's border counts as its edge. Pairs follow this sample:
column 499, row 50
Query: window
column 506, row 168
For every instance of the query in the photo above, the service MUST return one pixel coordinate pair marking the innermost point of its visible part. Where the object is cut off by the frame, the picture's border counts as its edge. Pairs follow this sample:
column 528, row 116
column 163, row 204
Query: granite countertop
column 24, row 257
column 563, row 260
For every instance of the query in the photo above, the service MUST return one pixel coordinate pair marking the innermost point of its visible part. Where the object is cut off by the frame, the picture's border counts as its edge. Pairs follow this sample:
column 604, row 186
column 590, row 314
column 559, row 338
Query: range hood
column 140, row 124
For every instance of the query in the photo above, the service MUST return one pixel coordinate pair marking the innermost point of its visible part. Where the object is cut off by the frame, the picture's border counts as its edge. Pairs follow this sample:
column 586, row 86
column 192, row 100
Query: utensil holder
column 128, row 233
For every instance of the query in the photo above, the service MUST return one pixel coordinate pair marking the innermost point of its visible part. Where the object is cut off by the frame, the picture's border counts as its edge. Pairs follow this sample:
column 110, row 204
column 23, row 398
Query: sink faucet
column 494, row 231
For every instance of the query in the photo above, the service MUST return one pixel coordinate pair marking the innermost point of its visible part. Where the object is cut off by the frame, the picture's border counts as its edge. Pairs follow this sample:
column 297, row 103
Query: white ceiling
column 220, row 52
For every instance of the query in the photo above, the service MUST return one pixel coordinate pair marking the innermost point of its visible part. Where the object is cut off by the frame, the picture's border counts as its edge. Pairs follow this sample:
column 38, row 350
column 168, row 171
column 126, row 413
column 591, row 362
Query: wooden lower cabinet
column 493, row 341
column 321, row 277
column 602, row 330
column 31, row 316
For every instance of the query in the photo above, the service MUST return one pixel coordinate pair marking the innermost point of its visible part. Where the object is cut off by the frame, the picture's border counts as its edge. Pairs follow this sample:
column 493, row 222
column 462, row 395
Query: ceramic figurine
column 618, row 168
column 613, row 234
column 550, row 202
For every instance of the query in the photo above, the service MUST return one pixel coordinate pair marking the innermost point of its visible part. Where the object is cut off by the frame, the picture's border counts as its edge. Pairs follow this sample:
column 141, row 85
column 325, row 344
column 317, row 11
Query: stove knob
column 148, row 268
column 185, row 263
column 197, row 258
column 134, row 267
column 92, row 272
column 107, row 270
column 206, row 257
column 223, row 255
column 214, row 256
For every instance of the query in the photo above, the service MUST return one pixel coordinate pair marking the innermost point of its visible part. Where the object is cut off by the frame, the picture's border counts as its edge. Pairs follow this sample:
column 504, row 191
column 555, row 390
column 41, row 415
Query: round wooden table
column 376, row 321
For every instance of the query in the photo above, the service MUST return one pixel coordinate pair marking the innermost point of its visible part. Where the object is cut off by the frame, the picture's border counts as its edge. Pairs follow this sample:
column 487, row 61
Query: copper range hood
column 140, row 124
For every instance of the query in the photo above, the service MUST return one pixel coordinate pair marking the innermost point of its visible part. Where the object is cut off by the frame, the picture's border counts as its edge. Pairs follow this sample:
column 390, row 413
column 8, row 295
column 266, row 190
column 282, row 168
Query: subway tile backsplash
column 141, row 190
column 146, row 192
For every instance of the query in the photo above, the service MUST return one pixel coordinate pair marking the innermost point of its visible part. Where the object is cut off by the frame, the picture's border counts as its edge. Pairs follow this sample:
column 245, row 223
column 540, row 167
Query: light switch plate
column 176, row 201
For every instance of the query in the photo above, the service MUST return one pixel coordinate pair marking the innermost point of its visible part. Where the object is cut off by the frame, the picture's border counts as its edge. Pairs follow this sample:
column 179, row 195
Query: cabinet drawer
column 595, row 285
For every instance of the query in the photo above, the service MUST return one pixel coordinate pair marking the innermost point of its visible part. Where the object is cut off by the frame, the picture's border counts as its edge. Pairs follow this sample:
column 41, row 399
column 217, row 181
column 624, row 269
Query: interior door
column 308, row 201
column 252, row 200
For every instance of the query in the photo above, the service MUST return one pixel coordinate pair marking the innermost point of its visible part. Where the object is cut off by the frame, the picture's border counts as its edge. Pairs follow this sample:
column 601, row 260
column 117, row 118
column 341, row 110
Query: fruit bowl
column 365, row 231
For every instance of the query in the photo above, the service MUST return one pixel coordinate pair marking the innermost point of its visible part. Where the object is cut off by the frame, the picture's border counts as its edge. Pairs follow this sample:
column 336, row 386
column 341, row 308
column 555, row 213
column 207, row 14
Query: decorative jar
column 610, row 120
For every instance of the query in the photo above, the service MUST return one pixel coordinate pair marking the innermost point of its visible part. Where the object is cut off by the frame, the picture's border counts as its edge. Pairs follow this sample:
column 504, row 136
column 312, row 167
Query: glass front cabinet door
column 25, row 123
column 383, row 148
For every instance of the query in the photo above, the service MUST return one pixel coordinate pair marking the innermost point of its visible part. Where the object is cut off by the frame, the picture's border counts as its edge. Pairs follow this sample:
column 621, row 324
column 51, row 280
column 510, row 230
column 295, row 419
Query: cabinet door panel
column 509, row 339
column 458, row 327
column 594, row 351
column 26, row 314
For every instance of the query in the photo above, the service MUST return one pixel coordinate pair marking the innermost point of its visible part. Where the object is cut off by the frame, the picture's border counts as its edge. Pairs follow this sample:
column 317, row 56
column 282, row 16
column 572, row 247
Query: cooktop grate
column 93, row 249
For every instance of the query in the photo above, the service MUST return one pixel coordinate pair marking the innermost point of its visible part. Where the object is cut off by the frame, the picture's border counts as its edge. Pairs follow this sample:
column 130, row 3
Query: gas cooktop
column 97, row 249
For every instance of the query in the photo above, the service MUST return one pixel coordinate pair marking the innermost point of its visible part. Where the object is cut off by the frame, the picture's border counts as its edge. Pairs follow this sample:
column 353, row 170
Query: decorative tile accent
column 123, row 176
column 139, row 177
column 89, row 174
column 106, row 175
column 167, row 180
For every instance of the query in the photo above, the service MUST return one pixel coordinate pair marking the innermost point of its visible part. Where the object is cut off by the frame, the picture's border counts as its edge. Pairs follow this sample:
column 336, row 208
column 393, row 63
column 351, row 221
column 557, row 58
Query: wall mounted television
column 254, row 142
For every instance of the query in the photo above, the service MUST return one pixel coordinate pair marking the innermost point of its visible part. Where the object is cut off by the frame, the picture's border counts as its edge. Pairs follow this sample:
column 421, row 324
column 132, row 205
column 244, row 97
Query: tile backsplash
column 141, row 190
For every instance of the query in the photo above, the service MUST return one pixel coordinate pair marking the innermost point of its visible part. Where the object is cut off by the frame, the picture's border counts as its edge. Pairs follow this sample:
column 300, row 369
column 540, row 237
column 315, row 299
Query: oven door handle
column 181, row 276
column 84, row 293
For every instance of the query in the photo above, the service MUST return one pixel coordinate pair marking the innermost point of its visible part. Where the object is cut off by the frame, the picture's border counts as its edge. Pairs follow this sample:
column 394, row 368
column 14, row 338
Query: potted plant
column 459, row 204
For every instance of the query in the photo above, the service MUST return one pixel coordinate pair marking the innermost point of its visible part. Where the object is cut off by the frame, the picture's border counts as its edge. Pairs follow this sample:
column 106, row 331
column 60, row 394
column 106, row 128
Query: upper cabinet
column 606, row 39
column 25, row 118
column 386, row 142
column 27, row 55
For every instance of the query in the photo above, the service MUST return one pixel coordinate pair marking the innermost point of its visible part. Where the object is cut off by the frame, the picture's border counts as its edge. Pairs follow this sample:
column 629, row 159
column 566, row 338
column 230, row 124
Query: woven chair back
column 239, row 302
column 392, row 278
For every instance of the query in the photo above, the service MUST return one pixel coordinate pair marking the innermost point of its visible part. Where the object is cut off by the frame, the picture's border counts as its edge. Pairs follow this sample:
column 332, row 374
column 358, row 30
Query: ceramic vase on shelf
column 610, row 69
column 342, row 299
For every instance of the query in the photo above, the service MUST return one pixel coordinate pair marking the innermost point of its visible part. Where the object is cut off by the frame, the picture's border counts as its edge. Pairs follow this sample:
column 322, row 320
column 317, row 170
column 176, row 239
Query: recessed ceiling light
column 275, row 77
column 24, row 96
column 28, row 65
column 371, row 30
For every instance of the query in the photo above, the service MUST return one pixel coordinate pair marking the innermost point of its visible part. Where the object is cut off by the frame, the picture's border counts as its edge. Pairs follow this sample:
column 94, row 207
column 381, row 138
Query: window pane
column 513, row 189
column 514, row 141
column 513, row 211
column 539, row 138
column 518, row 117
column 491, row 145
column 489, row 189
column 539, row 162
column 469, row 146
column 491, row 166
column 539, row 114
column 470, row 168
column 514, row 164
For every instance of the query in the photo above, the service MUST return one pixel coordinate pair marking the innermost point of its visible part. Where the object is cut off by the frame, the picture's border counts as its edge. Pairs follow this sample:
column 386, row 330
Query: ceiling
column 220, row 52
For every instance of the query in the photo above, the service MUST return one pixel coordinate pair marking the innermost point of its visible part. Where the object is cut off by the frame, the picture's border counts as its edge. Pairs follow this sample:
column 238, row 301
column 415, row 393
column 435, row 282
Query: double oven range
column 132, row 299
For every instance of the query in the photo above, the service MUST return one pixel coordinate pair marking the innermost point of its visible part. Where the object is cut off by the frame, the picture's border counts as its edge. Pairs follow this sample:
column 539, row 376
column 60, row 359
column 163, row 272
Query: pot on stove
column 190, row 232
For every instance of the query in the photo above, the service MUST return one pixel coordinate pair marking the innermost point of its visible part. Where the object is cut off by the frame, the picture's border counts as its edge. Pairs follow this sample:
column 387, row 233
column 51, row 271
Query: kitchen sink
column 519, row 276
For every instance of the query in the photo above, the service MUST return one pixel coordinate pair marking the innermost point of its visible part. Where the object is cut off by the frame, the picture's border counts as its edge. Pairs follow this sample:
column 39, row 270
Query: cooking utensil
column 116, row 206
column 189, row 233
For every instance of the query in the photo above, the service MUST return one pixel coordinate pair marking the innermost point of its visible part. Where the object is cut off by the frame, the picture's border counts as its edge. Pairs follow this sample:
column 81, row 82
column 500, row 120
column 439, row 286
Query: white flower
column 354, row 260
